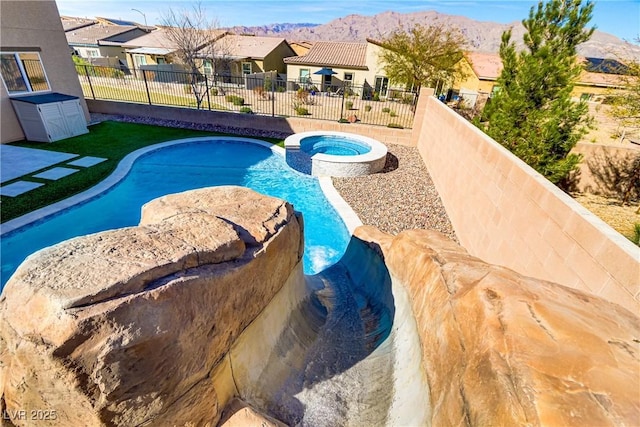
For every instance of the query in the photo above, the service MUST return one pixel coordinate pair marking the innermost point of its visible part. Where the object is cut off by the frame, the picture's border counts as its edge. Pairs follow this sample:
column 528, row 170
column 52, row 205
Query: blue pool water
column 333, row 145
column 183, row 167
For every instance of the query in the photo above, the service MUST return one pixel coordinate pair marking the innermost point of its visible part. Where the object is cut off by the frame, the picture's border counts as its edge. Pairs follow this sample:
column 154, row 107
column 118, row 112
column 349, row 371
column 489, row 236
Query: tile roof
column 588, row 78
column 93, row 33
column 157, row 38
column 334, row 54
column 249, row 46
column 71, row 23
column 487, row 66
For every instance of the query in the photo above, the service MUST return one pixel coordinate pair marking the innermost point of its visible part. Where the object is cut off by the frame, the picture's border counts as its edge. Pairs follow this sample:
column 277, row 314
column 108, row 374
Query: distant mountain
column 481, row 35
column 271, row 29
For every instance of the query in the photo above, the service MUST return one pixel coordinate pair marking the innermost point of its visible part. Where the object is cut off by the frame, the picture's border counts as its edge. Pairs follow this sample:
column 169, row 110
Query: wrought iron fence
column 264, row 94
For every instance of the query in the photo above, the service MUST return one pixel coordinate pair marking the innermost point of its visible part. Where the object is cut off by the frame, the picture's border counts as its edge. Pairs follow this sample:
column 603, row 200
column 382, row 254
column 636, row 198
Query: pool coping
column 347, row 214
column 377, row 148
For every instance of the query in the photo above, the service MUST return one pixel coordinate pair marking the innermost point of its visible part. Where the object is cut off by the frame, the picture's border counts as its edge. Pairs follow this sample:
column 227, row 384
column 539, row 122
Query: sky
column 618, row 17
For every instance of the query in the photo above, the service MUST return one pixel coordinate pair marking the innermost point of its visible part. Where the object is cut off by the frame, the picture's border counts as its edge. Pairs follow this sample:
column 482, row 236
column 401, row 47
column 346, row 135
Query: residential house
column 154, row 48
column 597, row 79
column 70, row 23
column 103, row 41
column 300, row 48
column 244, row 54
column 328, row 65
column 35, row 59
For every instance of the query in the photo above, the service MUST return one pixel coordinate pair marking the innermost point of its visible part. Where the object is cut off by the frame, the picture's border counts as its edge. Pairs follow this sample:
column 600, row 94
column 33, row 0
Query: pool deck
column 19, row 164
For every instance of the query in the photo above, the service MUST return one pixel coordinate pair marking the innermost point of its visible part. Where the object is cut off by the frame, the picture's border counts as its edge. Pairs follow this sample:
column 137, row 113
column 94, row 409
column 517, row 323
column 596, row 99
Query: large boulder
column 501, row 349
column 127, row 327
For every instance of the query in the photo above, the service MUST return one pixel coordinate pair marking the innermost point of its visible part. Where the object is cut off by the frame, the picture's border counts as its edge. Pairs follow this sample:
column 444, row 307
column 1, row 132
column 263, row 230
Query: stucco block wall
column 287, row 125
column 36, row 24
column 506, row 213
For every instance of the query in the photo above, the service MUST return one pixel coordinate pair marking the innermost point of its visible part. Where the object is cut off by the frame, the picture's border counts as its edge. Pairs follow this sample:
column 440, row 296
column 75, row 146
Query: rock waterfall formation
column 202, row 315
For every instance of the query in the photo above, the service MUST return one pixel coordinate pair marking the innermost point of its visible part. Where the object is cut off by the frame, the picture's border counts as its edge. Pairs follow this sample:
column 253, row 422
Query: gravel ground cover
column 401, row 197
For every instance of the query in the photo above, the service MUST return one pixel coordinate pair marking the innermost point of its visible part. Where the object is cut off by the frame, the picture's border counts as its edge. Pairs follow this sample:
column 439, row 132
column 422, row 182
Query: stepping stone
column 55, row 173
column 85, row 162
column 18, row 188
column 19, row 161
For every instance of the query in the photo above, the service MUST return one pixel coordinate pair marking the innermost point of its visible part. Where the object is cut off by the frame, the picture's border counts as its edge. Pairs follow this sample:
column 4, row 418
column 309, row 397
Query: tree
column 532, row 114
column 196, row 38
column 422, row 56
column 625, row 107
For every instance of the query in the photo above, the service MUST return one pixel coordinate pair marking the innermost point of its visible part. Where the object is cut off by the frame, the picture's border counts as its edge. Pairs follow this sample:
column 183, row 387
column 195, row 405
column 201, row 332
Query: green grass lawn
column 110, row 140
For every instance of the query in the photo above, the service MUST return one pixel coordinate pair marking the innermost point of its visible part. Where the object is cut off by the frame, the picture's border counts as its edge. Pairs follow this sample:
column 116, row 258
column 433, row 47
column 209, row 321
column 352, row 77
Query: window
column 246, row 68
column 93, row 53
column 160, row 60
column 381, row 85
column 304, row 75
column 139, row 60
column 207, row 67
column 23, row 72
column 348, row 77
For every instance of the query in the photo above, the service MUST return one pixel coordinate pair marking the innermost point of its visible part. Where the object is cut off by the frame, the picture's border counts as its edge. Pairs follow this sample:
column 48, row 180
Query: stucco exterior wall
column 506, row 213
column 36, row 24
column 274, row 60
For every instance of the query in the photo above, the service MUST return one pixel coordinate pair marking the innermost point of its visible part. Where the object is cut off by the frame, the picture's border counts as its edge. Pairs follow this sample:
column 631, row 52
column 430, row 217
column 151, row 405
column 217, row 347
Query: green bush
column 348, row 105
column 395, row 126
column 367, row 108
column 214, row 91
column 343, row 120
column 302, row 111
column 376, row 96
column 393, row 114
column 235, row 99
column 386, row 109
column 636, row 233
column 246, row 110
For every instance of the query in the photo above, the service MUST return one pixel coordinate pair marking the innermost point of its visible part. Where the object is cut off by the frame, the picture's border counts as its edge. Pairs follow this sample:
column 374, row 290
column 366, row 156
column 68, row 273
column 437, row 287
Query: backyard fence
column 263, row 93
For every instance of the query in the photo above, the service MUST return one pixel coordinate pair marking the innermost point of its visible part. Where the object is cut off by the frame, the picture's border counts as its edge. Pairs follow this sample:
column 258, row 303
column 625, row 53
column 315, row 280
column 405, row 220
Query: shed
column 50, row 117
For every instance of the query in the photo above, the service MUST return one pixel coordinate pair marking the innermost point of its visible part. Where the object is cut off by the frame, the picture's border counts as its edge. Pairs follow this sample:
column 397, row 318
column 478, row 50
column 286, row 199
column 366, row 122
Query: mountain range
column 481, row 36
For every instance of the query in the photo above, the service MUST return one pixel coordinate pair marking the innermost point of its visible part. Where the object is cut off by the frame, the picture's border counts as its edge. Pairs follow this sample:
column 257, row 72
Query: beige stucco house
column 354, row 63
column 35, row 59
column 483, row 69
column 103, row 41
column 245, row 54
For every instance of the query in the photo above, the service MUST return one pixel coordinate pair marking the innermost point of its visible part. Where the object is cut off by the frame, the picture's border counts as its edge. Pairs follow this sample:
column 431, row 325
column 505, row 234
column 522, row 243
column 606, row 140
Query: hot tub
column 335, row 153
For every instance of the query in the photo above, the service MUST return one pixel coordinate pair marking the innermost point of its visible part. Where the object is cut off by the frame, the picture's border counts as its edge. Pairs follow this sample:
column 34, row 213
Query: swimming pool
column 329, row 153
column 189, row 164
column 333, row 145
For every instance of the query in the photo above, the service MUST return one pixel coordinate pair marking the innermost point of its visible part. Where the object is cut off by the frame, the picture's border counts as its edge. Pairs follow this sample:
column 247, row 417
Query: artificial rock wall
column 129, row 326
column 165, row 323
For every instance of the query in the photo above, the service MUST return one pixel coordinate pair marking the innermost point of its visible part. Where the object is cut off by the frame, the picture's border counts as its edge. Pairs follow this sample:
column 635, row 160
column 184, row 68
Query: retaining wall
column 506, row 213
column 287, row 125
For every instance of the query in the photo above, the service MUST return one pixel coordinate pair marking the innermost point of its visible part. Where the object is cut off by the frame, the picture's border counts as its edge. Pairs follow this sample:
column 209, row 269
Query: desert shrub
column 235, row 99
column 246, row 110
column 302, row 111
column 395, row 126
column 393, row 114
column 303, row 97
column 214, row 91
column 348, row 105
column 376, row 96
column 367, row 108
column 343, row 120
column 386, row 109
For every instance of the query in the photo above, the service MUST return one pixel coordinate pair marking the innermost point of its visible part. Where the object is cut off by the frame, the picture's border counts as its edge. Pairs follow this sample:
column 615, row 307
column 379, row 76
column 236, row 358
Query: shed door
column 74, row 116
column 54, row 121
